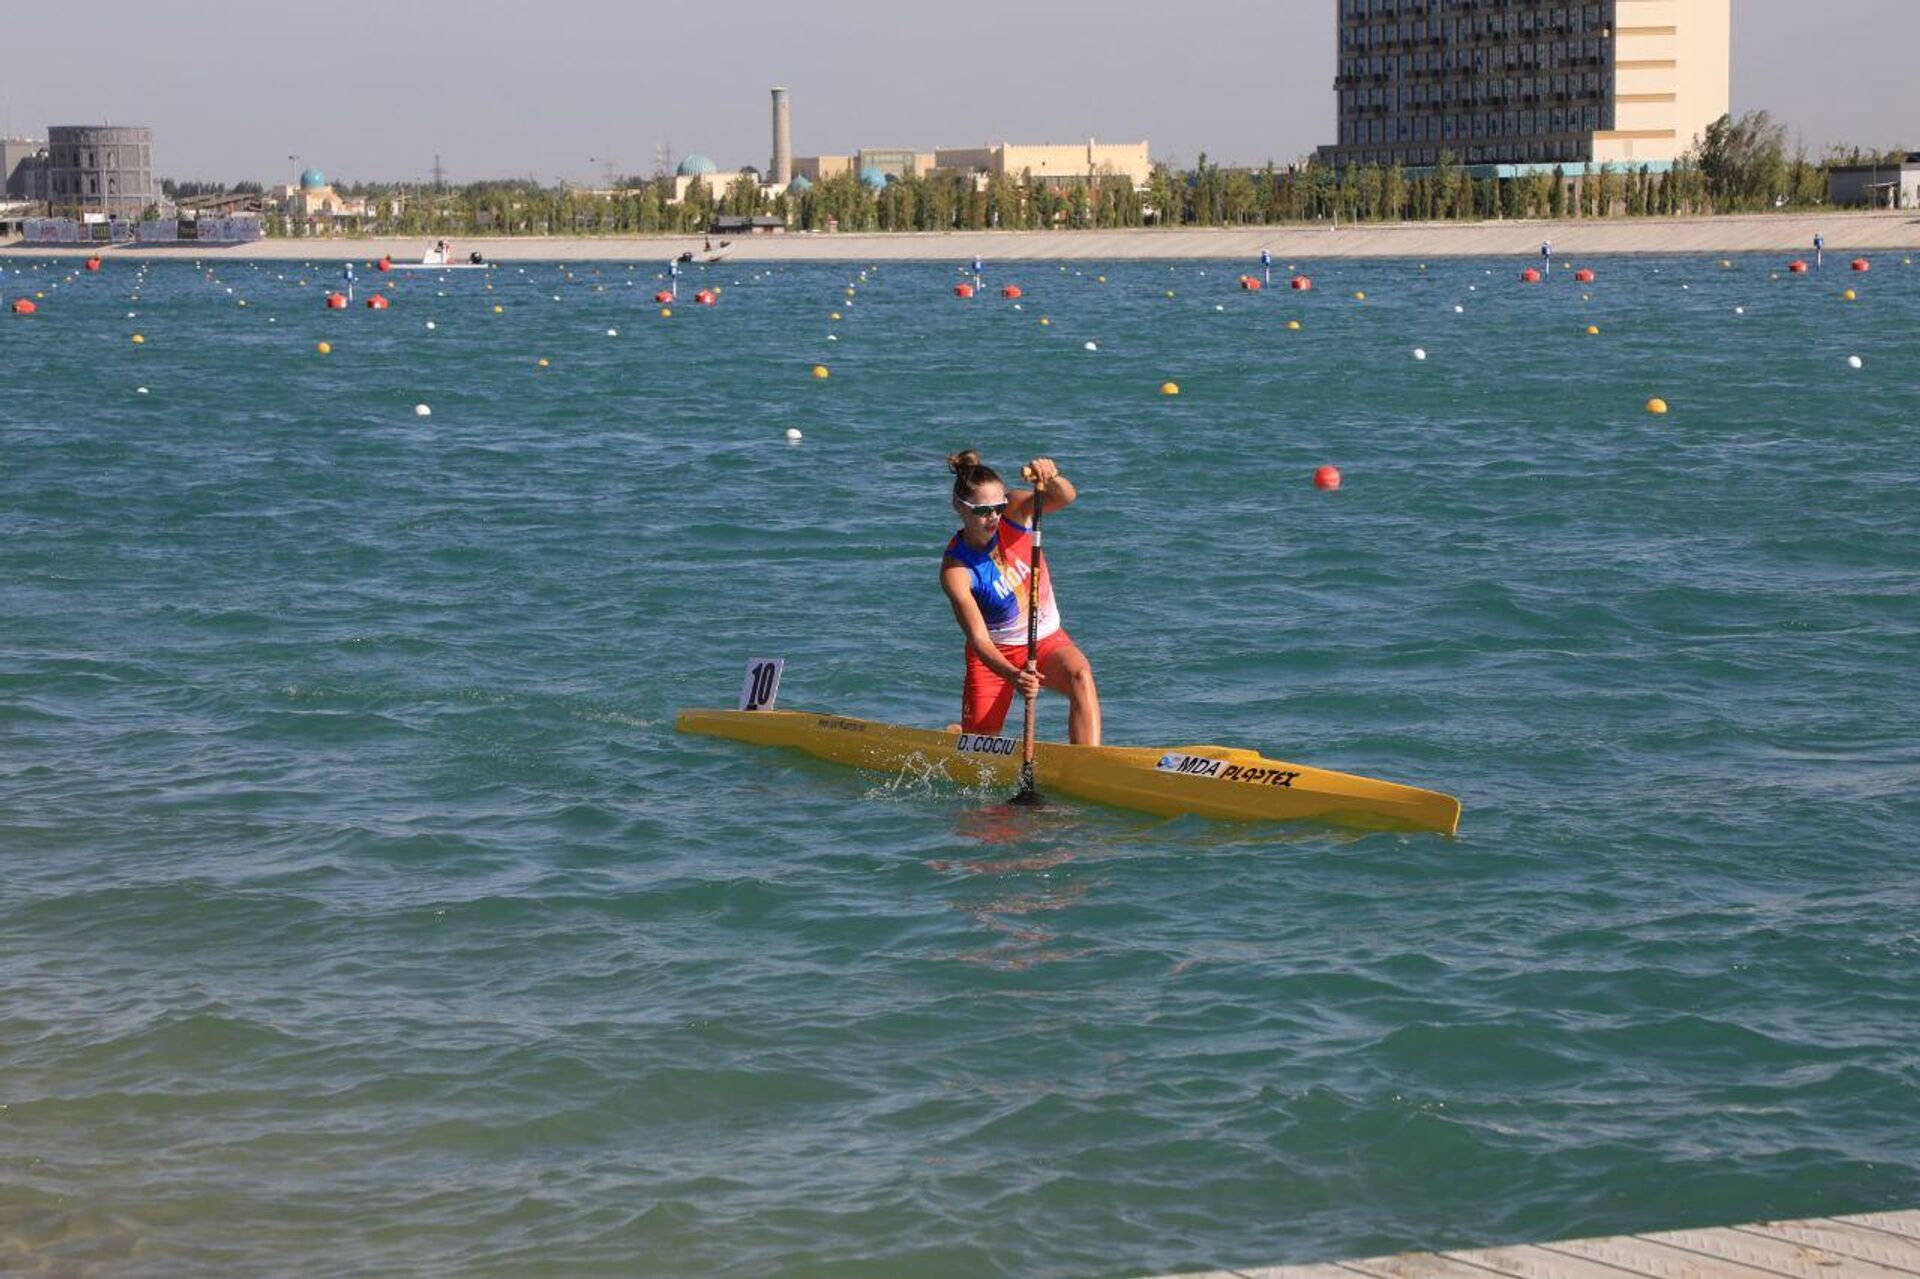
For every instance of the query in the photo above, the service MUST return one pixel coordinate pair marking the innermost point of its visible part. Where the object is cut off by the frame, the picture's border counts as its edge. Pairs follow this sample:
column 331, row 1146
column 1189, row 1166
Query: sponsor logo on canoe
column 981, row 744
column 841, row 725
column 1220, row 771
column 1190, row 765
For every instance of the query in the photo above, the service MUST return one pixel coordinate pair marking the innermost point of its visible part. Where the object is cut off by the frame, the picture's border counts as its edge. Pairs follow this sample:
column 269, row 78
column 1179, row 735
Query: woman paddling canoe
column 985, row 574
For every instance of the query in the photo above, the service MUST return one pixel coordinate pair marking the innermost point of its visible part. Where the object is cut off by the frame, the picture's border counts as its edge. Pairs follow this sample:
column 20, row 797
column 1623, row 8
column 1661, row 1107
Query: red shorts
column 986, row 698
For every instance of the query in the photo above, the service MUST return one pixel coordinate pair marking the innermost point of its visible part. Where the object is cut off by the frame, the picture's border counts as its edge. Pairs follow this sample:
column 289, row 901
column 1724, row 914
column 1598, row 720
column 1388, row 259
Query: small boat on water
column 441, row 258
column 1222, row 782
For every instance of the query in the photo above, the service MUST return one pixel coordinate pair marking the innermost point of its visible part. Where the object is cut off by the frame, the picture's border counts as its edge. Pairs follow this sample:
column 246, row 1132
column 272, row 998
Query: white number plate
column 762, row 684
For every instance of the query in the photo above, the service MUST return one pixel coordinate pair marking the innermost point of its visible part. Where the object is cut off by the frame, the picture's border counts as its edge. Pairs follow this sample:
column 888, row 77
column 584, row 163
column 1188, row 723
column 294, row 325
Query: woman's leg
column 1065, row 669
column 984, row 697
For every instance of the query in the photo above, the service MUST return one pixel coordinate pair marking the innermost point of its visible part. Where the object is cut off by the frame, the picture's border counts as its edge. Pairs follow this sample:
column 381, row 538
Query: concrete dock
column 1875, row 1245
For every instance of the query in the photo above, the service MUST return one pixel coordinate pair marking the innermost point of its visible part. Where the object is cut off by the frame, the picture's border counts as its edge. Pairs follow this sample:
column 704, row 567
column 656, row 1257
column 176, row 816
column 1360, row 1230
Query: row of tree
column 1738, row 165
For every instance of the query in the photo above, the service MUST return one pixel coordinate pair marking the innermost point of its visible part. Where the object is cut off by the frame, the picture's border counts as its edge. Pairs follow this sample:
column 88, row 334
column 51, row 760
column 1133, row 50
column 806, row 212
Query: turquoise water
column 365, row 915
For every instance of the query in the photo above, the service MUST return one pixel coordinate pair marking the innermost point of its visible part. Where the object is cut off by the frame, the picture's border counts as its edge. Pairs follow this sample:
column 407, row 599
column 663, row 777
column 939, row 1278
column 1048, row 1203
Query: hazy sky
column 233, row 87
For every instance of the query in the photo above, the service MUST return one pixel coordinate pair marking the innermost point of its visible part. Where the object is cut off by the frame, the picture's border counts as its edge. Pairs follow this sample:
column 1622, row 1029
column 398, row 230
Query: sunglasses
column 984, row 509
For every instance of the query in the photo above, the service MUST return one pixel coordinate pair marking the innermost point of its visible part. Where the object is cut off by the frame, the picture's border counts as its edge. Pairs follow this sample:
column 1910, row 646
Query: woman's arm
column 1060, row 490
column 954, row 579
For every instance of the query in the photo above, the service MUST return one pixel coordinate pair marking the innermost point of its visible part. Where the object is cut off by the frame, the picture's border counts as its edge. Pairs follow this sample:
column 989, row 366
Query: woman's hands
column 1040, row 471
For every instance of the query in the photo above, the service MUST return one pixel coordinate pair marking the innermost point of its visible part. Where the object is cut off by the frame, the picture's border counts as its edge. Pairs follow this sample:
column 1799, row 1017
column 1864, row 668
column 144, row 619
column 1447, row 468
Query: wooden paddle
column 1027, row 794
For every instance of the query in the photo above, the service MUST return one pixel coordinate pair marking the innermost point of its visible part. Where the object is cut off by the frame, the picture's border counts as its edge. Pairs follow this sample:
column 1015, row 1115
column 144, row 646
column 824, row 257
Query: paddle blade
column 1028, row 797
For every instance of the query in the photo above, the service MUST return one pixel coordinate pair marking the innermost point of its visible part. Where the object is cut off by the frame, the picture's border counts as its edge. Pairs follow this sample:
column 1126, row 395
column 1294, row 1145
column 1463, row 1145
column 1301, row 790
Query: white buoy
column 793, row 435
column 1217, row 306
column 832, row 338
column 431, row 326
column 1855, row 362
column 613, row 333
column 1739, row 310
column 1419, row 353
column 1089, row 346
column 1459, row 310
column 421, row 410
column 139, row 390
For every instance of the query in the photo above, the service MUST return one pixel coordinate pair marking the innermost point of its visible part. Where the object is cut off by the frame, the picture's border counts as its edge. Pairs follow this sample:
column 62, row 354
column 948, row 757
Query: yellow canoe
column 1209, row 781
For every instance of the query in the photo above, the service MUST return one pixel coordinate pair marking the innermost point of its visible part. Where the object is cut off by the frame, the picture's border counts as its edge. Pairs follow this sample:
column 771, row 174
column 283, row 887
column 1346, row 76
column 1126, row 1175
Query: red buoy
column 336, row 301
column 1530, row 276
column 1010, row 291
column 1326, row 477
column 1861, row 264
column 963, row 290
column 93, row 264
column 384, row 264
column 24, row 306
column 1797, row 267
column 1250, row 283
column 1301, row 284
column 706, row 297
column 377, row 302
column 1584, row 275
column 663, row 296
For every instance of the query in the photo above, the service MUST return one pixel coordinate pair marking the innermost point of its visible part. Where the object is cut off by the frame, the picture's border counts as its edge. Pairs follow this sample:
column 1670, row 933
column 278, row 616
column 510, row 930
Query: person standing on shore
column 1546, row 257
column 1819, row 249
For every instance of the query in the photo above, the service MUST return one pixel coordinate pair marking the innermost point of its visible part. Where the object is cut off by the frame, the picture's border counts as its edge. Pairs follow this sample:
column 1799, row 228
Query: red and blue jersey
column 998, row 578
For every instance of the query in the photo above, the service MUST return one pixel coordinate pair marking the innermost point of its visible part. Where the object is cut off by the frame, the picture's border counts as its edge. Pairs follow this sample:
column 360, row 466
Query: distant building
column 1069, row 164
column 816, row 168
column 1883, row 186
column 888, row 162
column 1529, row 82
column 23, row 169
column 100, row 168
column 736, row 224
column 313, row 201
column 780, row 172
column 697, row 168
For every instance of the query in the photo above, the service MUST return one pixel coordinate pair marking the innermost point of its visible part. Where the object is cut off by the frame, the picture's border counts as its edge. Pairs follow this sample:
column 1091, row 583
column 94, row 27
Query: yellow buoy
column 1849, row 296
column 324, row 348
column 820, row 370
column 1656, row 406
column 1101, row 278
column 666, row 313
column 498, row 309
column 543, row 361
column 1725, row 265
column 137, row 339
column 1359, row 297
column 1045, row 323
column 1294, row 325
column 833, row 315
column 1593, row 330
column 1169, row 388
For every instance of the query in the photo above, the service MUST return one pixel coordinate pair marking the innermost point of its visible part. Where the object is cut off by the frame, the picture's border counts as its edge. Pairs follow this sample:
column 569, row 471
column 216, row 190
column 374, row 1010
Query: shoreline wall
column 1790, row 233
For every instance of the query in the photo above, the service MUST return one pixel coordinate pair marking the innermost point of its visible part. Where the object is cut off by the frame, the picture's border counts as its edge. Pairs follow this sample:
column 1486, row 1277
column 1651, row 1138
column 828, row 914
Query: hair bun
column 963, row 462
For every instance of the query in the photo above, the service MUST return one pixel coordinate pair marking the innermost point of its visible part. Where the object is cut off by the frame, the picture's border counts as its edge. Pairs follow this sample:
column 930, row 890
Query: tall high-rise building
column 781, row 171
column 1525, row 82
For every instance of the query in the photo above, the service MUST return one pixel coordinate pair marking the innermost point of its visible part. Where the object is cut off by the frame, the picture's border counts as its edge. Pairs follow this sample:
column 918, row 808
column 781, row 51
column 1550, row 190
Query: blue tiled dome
column 312, row 180
column 873, row 178
column 697, row 166
column 801, row 184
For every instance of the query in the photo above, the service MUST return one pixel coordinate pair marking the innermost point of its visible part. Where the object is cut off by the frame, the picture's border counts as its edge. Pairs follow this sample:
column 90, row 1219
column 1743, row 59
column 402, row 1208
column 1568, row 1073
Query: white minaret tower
column 782, row 140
